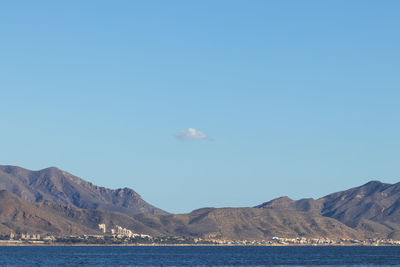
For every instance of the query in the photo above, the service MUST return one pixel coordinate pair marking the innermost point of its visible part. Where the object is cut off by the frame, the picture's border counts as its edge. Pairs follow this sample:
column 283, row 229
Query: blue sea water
column 199, row 256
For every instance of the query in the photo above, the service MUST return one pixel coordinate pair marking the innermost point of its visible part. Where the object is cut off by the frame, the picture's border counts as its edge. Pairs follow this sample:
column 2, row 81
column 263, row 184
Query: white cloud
column 192, row 134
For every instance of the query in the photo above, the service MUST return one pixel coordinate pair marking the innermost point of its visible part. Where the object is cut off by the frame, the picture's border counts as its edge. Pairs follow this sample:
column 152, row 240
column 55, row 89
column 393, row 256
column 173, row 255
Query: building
column 102, row 227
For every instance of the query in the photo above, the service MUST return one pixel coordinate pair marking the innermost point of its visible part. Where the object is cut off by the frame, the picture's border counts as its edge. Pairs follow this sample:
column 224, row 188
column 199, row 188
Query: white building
column 102, row 227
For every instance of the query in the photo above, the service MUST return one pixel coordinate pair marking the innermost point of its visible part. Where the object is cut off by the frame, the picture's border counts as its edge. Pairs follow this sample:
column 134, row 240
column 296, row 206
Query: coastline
column 14, row 244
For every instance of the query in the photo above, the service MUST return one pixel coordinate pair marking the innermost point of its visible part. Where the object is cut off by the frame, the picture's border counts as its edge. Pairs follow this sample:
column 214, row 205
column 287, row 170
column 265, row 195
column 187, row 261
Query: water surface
column 198, row 256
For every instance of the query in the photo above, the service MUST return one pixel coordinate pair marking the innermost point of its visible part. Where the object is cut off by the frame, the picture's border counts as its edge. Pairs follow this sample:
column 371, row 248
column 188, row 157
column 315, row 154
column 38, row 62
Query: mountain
column 373, row 201
column 248, row 223
column 47, row 217
column 306, row 204
column 66, row 189
column 373, row 207
column 56, row 202
column 21, row 216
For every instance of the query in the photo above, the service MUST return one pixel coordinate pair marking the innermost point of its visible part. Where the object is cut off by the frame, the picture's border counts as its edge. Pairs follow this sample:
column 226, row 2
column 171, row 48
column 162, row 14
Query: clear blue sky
column 297, row 98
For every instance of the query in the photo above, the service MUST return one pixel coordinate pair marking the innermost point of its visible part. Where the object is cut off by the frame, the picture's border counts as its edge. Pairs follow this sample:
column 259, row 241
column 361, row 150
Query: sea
column 197, row 256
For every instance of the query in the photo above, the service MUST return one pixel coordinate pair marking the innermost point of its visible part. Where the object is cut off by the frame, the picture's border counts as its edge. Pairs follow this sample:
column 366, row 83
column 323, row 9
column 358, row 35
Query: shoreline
column 14, row 244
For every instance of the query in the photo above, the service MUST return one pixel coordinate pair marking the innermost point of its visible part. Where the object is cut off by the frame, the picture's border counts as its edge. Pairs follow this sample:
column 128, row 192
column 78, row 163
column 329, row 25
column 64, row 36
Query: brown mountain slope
column 248, row 223
column 306, row 204
column 20, row 216
column 66, row 189
column 374, row 201
column 47, row 217
column 92, row 218
column 373, row 208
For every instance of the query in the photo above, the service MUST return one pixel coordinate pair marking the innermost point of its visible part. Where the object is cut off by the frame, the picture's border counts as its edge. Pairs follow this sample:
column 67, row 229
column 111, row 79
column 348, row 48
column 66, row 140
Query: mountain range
column 55, row 202
column 66, row 189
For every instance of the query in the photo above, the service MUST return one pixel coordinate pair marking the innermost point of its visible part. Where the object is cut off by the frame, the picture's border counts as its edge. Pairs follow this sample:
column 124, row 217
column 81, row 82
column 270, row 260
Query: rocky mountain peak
column 66, row 189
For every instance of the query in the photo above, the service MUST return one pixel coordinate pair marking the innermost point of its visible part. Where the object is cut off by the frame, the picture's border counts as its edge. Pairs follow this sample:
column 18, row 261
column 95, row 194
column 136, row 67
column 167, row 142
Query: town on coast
column 122, row 236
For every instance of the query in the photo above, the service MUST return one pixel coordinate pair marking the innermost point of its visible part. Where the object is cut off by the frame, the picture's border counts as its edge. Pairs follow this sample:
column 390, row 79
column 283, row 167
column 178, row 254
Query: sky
column 203, row 103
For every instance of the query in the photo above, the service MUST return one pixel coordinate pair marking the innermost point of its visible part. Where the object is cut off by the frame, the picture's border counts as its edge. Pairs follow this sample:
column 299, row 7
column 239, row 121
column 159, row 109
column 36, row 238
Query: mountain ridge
column 66, row 189
column 56, row 201
column 373, row 207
